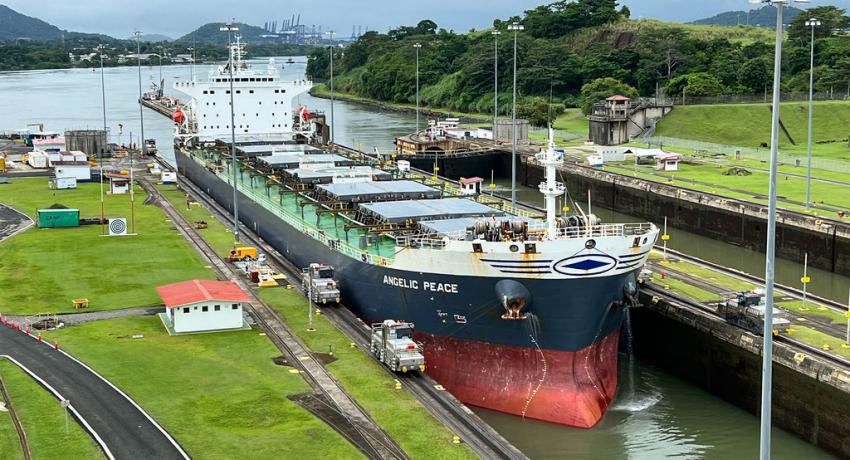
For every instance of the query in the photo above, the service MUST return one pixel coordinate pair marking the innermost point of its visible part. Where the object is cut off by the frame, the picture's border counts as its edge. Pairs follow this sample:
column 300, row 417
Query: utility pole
column 770, row 268
column 495, row 34
column 100, row 157
column 143, row 149
column 418, row 46
column 231, row 27
column 331, row 35
column 516, row 28
column 811, row 23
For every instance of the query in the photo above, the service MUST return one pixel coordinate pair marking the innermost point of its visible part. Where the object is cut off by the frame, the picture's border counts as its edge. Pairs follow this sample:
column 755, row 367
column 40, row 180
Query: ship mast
column 551, row 189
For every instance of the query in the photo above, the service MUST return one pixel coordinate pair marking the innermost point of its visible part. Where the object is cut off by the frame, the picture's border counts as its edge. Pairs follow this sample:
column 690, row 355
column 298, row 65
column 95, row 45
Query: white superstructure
column 262, row 101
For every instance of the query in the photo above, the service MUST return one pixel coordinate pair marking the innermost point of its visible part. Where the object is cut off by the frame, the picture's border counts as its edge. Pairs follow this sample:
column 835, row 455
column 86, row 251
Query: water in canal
column 655, row 414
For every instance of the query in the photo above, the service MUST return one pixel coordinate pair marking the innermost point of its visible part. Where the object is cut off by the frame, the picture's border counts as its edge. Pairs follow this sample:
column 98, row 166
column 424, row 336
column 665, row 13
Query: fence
column 753, row 98
column 747, row 153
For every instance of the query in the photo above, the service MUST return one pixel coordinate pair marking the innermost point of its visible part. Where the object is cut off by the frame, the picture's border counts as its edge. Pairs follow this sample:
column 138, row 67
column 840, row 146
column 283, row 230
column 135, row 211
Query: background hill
column 762, row 17
column 210, row 33
column 153, row 38
column 14, row 25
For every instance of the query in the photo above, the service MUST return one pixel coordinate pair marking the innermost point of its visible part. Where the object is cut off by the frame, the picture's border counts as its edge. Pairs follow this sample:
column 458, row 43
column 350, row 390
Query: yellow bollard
column 455, row 439
column 397, row 385
column 352, row 345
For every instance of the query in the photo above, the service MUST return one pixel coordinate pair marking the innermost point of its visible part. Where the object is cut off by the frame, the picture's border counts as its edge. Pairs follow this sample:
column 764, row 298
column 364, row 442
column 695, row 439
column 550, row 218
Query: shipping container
column 52, row 218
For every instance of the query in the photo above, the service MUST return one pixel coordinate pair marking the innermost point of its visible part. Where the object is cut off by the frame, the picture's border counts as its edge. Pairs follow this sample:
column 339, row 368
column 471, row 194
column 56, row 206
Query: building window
column 277, row 91
column 212, row 92
column 186, row 310
column 218, row 308
column 250, row 91
column 227, row 91
column 238, row 91
column 194, row 308
column 205, row 308
column 206, row 92
column 234, row 306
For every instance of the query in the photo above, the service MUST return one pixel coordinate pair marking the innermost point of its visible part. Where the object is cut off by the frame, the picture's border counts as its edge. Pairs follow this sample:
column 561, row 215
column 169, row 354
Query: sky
column 119, row 18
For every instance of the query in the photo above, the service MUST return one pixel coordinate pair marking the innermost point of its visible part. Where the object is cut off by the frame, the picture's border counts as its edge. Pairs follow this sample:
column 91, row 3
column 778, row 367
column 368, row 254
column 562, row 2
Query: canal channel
column 655, row 414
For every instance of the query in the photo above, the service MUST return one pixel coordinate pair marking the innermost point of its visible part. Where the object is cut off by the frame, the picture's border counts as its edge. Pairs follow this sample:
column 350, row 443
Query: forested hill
column 17, row 26
column 580, row 51
column 762, row 17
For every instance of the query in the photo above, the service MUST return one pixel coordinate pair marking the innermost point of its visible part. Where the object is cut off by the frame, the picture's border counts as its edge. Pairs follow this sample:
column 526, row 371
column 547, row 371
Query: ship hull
column 572, row 322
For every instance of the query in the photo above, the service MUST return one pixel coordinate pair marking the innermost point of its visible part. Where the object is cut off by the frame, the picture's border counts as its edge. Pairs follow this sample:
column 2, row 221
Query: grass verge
column 402, row 416
column 216, row 234
column 43, row 421
column 45, row 268
column 220, row 395
column 819, row 339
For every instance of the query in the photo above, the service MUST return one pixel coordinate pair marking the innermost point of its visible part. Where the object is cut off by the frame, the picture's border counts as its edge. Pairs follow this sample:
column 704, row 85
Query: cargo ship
column 516, row 312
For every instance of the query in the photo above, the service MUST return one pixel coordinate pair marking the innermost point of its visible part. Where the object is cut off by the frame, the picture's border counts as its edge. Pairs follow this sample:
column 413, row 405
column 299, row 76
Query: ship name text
column 433, row 286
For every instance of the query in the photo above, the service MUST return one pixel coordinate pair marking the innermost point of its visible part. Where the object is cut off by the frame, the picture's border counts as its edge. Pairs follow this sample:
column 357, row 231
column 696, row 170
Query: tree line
column 27, row 55
column 574, row 52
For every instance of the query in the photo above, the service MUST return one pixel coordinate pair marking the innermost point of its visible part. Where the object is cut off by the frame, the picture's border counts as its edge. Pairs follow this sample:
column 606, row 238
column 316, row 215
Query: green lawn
column 220, row 395
column 44, row 269
column 683, row 288
column 748, row 125
column 815, row 309
column 219, row 236
column 43, row 421
column 9, row 444
column 709, row 177
column 819, row 339
column 402, row 416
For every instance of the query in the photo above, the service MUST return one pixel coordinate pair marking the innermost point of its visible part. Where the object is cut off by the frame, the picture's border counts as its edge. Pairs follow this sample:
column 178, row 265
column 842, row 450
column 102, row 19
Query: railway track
column 367, row 434
column 482, row 438
column 683, row 301
column 19, row 428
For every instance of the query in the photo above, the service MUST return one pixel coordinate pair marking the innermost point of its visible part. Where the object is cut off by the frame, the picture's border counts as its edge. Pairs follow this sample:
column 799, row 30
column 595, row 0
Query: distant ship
column 516, row 313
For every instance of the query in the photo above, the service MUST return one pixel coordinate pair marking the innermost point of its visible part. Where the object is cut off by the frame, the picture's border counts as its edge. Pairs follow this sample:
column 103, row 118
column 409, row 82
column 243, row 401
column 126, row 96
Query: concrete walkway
column 121, row 428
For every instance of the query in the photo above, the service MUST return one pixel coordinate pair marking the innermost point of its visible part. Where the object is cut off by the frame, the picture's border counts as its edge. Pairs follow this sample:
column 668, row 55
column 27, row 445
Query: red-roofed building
column 470, row 185
column 618, row 97
column 203, row 305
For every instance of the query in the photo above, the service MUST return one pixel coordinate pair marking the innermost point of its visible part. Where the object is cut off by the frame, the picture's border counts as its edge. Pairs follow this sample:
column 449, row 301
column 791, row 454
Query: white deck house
column 202, row 305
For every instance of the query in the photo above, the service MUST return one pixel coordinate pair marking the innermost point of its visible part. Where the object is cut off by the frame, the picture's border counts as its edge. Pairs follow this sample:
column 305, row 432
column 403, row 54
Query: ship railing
column 536, row 230
column 315, row 233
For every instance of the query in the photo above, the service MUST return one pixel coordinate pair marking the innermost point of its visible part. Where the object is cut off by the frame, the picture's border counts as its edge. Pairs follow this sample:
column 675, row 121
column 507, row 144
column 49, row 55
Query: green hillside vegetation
column 567, row 45
column 748, row 125
column 760, row 17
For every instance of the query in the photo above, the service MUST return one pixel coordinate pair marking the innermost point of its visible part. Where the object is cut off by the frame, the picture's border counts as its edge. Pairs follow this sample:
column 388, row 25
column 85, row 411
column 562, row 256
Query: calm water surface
column 654, row 415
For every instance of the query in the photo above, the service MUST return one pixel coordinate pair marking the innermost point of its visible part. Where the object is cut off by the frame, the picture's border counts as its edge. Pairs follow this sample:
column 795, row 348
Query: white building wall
column 197, row 319
column 81, row 173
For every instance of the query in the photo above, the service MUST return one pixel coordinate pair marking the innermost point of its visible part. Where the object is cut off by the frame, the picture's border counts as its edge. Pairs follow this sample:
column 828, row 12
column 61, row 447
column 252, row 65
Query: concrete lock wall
column 739, row 223
column 811, row 398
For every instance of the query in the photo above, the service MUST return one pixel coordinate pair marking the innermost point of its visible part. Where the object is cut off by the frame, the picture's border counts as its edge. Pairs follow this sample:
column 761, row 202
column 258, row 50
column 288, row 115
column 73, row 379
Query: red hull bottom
column 569, row 388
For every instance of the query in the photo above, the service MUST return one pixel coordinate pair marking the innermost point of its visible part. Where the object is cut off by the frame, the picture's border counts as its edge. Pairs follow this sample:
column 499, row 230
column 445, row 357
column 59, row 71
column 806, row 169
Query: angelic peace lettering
column 431, row 286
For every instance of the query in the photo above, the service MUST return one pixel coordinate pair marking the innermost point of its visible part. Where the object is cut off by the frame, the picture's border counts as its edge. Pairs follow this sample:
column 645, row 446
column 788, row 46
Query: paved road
column 125, row 431
column 12, row 221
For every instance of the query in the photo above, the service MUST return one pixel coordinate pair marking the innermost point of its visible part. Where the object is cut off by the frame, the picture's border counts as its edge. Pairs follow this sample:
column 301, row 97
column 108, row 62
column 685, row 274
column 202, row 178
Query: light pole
column 138, row 35
column 331, row 37
column 100, row 49
column 418, row 46
column 495, row 35
column 767, row 352
column 192, row 67
column 516, row 28
column 230, row 27
column 161, row 52
column 811, row 23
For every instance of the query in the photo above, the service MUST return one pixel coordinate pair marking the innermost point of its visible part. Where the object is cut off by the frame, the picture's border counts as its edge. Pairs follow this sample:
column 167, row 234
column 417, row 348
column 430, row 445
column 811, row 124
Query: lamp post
column 230, row 27
column 331, row 37
column 418, row 46
column 767, row 352
column 495, row 35
column 138, row 35
column 100, row 49
column 516, row 28
column 811, row 23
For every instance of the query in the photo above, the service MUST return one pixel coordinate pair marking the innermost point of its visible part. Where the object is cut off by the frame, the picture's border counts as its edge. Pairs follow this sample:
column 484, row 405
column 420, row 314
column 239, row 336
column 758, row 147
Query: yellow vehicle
column 243, row 253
